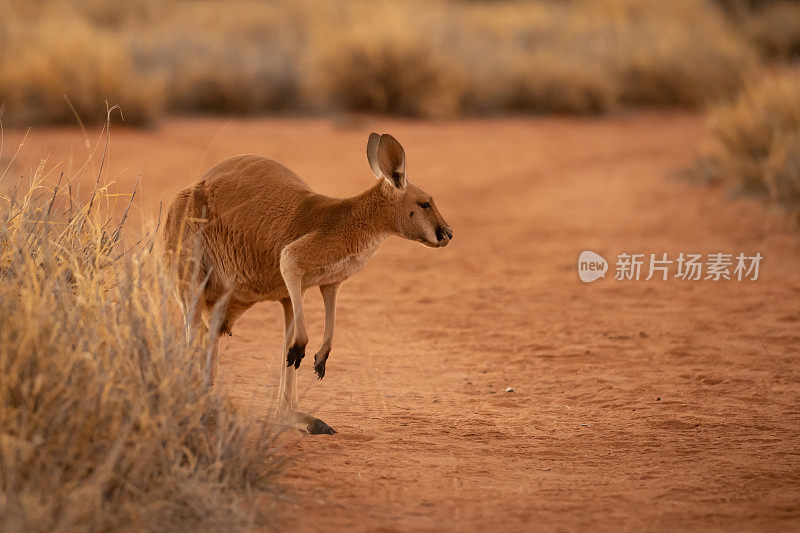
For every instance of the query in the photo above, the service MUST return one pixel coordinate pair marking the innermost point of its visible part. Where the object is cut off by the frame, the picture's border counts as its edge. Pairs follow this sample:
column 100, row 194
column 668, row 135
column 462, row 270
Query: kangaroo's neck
column 371, row 214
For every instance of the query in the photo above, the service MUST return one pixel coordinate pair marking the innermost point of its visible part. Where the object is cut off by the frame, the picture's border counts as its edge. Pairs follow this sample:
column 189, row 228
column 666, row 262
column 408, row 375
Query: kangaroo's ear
column 392, row 160
column 372, row 154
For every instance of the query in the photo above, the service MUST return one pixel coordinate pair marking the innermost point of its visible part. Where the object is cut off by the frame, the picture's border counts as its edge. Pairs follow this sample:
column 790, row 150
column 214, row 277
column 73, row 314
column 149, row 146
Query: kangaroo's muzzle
column 443, row 235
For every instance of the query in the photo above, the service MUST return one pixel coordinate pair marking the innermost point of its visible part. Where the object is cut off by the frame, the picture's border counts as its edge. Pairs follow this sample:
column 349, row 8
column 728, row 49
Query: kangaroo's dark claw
column 295, row 355
column 319, row 363
column 319, row 369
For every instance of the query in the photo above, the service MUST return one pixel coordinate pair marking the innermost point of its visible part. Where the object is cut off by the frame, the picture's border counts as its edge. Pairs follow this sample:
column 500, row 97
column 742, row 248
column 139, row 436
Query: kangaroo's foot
column 303, row 422
column 320, row 359
column 318, row 427
column 295, row 355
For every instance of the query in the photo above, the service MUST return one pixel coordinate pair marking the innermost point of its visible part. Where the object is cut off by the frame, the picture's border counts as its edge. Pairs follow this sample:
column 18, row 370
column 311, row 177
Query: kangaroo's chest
column 340, row 270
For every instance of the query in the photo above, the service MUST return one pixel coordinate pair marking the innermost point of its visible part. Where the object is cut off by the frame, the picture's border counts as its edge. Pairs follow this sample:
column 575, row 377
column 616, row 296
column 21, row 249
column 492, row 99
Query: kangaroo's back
column 252, row 180
column 234, row 222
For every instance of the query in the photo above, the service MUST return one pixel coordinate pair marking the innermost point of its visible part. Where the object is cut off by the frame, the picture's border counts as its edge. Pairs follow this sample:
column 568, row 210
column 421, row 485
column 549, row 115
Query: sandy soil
column 635, row 405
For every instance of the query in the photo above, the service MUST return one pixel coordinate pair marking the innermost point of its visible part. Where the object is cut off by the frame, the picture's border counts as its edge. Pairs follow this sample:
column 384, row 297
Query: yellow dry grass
column 436, row 58
column 759, row 137
column 106, row 419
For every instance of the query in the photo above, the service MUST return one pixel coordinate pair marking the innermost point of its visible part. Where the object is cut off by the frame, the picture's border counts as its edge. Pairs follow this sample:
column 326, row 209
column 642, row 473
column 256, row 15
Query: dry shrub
column 544, row 82
column 378, row 57
column 48, row 55
column 106, row 419
column 681, row 52
column 389, row 77
column 239, row 57
column 759, row 137
column 427, row 59
column 774, row 27
column 590, row 56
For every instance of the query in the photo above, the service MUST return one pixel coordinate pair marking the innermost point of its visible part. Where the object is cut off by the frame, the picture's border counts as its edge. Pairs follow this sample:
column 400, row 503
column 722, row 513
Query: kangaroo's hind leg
column 218, row 319
column 287, row 410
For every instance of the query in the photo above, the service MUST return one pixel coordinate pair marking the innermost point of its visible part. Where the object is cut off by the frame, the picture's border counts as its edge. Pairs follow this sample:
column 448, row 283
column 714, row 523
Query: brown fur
column 252, row 230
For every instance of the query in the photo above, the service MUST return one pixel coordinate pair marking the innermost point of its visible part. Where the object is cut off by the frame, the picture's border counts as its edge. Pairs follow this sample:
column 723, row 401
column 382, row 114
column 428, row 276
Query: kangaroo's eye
column 424, row 205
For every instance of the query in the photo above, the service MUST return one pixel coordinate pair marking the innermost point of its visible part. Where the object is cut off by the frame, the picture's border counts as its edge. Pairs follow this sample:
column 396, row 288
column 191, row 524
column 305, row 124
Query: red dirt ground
column 646, row 405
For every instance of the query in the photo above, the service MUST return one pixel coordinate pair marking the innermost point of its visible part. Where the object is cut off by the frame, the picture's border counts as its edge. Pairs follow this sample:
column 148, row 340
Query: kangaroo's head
column 415, row 215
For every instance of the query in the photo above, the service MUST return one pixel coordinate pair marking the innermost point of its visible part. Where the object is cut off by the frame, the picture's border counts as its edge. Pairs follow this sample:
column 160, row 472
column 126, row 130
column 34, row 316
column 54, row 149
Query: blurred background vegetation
column 424, row 59
column 433, row 59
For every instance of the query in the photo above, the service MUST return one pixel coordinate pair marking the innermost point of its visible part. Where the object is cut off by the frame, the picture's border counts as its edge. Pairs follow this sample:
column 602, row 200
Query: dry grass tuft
column 759, row 137
column 101, row 399
column 426, row 59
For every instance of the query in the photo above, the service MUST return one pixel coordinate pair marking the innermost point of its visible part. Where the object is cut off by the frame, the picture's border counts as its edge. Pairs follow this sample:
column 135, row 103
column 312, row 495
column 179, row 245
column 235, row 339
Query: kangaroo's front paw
column 320, row 359
column 295, row 355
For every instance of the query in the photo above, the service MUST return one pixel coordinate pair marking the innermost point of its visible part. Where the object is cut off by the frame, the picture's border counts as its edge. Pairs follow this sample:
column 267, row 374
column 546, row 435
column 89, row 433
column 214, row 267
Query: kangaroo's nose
column 443, row 232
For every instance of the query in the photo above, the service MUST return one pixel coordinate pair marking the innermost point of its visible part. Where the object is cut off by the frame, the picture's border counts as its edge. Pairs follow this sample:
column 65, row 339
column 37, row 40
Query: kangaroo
column 252, row 230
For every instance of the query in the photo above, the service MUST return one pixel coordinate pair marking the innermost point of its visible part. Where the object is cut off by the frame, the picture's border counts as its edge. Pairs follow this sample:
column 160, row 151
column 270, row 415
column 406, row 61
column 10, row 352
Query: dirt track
column 635, row 405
